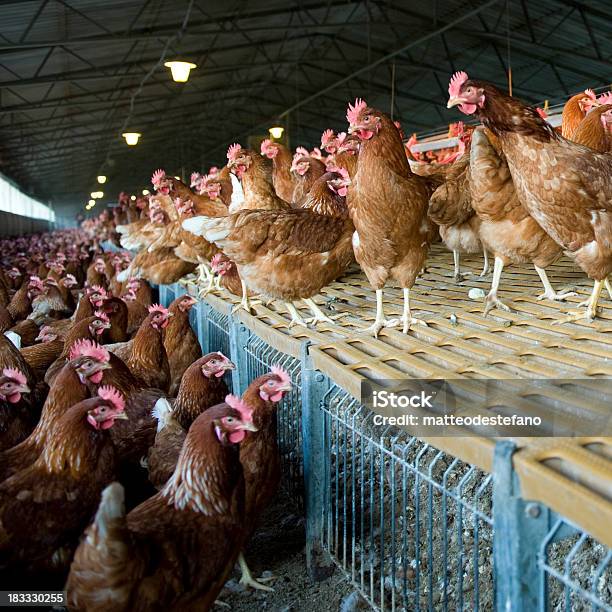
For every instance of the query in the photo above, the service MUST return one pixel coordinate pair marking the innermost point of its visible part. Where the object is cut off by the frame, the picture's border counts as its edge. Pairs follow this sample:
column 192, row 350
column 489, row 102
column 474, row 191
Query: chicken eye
column 229, row 419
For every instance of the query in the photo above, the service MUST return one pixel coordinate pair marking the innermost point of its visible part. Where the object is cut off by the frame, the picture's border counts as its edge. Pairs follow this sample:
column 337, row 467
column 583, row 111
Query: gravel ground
column 278, row 548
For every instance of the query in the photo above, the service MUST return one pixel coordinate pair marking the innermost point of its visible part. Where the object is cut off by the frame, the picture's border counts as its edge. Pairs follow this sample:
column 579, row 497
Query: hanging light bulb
column 101, row 179
column 276, row 132
column 131, row 138
column 91, row 203
column 180, row 70
column 132, row 197
column 145, row 192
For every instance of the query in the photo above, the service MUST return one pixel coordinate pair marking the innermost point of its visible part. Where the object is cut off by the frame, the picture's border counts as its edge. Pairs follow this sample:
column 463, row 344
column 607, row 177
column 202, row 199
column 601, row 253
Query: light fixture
column 101, row 179
column 178, row 178
column 97, row 194
column 145, row 192
column 131, row 138
column 91, row 203
column 276, row 132
column 180, row 70
column 132, row 197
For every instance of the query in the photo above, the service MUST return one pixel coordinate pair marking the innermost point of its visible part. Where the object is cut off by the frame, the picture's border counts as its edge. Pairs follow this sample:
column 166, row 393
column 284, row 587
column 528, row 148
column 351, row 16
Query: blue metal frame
column 412, row 527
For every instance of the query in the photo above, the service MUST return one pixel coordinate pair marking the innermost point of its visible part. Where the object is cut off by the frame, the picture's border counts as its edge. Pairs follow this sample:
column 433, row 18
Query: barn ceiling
column 75, row 74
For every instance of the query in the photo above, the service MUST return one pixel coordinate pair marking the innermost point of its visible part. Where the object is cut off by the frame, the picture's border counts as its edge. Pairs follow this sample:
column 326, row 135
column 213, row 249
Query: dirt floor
column 277, row 548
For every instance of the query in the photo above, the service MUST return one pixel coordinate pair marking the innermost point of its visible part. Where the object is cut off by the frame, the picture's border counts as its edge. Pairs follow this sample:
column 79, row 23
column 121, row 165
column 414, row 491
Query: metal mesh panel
column 410, row 525
column 259, row 358
column 218, row 338
column 576, row 571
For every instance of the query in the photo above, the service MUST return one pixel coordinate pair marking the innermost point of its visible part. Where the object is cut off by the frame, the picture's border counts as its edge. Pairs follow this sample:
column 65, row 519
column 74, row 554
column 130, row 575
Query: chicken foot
column 247, row 579
column 245, row 302
column 296, row 318
column 591, row 311
column 549, row 292
column 407, row 319
column 492, row 301
column 380, row 322
column 319, row 316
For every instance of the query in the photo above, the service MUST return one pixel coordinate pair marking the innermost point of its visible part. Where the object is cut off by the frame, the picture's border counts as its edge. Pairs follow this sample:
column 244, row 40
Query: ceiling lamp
column 97, row 194
column 276, row 132
column 91, row 203
column 180, row 70
column 145, row 192
column 178, row 178
column 132, row 197
column 101, row 179
column 131, row 138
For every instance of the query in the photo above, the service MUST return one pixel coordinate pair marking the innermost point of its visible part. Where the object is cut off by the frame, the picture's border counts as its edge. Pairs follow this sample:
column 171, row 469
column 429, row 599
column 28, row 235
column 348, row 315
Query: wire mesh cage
column 576, row 570
column 216, row 335
column 409, row 524
column 260, row 357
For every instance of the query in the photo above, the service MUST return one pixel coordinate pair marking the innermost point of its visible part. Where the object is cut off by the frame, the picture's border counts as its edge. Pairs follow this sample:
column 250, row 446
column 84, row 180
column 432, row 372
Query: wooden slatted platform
column 459, row 342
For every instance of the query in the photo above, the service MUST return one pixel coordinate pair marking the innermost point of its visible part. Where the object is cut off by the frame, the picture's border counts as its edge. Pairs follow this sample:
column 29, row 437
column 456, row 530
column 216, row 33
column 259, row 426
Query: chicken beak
column 249, row 426
column 121, row 416
column 352, row 129
column 23, row 389
column 454, row 101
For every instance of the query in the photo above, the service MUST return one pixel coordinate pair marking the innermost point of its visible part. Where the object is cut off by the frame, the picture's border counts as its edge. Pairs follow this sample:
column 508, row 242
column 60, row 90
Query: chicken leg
column 407, row 319
column 247, row 578
column 457, row 276
column 319, row 316
column 591, row 304
column 380, row 321
column 549, row 292
column 485, row 267
column 492, row 301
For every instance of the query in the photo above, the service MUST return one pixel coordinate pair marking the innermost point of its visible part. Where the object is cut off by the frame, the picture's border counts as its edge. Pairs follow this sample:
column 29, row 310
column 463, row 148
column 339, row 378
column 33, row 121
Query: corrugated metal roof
column 68, row 69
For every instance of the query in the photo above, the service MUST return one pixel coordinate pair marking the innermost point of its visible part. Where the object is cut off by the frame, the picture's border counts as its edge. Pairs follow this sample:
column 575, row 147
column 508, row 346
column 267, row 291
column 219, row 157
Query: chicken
column 17, row 416
column 227, row 274
column 137, row 311
column 40, row 356
column 180, row 341
column 97, row 273
column 20, row 305
column 27, row 330
column 116, row 312
column 306, row 170
column 290, row 254
column 343, row 153
column 88, row 361
column 60, row 490
column 91, row 328
column 388, row 206
column 255, row 175
column 137, row 562
column 162, row 267
column 282, row 179
column 595, row 130
column 145, row 354
column 565, row 186
column 202, row 386
column 575, row 110
column 260, row 455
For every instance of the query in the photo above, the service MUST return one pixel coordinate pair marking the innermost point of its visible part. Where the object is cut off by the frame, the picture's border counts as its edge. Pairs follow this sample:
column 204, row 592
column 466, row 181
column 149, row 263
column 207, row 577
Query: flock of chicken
column 515, row 188
column 106, row 402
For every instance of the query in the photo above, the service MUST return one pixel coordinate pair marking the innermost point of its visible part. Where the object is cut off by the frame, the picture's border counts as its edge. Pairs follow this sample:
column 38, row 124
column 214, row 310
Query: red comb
column 238, row 404
column 89, row 348
column 264, row 145
column 15, row 374
column 216, row 260
column 327, row 136
column 606, row 98
column 112, row 395
column 157, row 308
column 590, row 93
column 541, row 112
column 158, row 177
column 233, row 151
column 101, row 315
column 281, row 373
column 353, row 111
column 457, row 80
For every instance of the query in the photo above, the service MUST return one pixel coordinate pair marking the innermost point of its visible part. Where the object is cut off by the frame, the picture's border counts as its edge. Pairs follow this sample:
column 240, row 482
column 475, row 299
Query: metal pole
column 316, row 476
